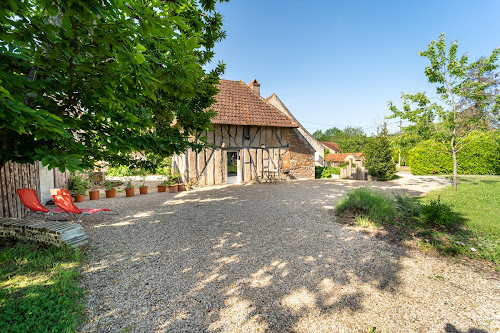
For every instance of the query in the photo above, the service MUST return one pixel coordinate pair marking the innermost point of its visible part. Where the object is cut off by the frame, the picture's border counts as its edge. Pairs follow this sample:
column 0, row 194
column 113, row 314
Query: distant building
column 331, row 146
column 334, row 159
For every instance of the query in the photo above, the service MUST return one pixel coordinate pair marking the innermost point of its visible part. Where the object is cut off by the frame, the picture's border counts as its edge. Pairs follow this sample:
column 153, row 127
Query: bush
column 407, row 207
column 479, row 156
column 377, row 206
column 317, row 171
column 378, row 155
column 437, row 213
column 78, row 185
column 327, row 172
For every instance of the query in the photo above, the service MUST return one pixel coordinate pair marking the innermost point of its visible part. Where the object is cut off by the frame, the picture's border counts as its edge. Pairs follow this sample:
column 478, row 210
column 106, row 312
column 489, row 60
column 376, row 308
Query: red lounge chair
column 62, row 198
column 30, row 200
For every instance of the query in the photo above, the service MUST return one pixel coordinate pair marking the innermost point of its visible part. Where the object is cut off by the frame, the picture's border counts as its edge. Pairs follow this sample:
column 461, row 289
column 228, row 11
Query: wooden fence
column 12, row 177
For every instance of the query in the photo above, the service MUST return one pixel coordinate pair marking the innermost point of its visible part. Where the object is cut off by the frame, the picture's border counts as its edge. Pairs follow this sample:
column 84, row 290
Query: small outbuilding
column 251, row 140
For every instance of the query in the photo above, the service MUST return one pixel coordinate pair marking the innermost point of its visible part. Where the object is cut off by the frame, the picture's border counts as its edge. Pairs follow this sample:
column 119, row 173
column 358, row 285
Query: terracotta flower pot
column 143, row 190
column 79, row 197
column 162, row 188
column 181, row 187
column 94, row 195
column 111, row 193
column 172, row 188
column 129, row 192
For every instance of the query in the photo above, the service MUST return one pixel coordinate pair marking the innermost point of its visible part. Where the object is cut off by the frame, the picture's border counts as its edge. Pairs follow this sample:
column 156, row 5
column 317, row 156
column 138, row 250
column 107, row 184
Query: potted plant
column 94, row 194
column 143, row 189
column 178, row 179
column 78, row 186
column 129, row 188
column 172, row 186
column 110, row 189
column 162, row 186
column 188, row 186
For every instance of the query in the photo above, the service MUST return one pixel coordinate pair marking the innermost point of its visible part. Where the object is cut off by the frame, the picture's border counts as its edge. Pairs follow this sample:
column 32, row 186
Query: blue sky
column 337, row 63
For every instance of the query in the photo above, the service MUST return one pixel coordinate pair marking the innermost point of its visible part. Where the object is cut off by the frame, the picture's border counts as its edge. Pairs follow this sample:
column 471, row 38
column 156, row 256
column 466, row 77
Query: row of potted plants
column 79, row 185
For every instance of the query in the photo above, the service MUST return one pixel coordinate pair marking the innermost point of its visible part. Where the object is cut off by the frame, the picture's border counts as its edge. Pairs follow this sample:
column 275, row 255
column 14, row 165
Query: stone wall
column 17, row 229
column 48, row 232
column 46, row 183
column 301, row 156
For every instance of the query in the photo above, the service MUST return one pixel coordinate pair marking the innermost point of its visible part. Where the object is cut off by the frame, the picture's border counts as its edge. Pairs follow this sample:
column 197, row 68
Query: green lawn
column 465, row 222
column 477, row 202
column 39, row 288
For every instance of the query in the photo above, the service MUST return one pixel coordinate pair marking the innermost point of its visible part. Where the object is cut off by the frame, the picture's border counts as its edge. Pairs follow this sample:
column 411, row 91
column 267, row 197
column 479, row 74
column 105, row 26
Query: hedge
column 326, row 172
column 480, row 156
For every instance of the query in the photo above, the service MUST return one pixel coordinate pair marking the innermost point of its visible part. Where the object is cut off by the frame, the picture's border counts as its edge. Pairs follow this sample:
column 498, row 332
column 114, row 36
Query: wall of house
column 301, row 156
column 46, row 183
column 261, row 149
column 307, row 137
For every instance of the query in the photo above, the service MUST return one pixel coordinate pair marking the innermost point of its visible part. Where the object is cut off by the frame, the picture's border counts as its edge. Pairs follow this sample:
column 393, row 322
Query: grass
column 39, row 287
column 473, row 229
column 477, row 202
column 365, row 202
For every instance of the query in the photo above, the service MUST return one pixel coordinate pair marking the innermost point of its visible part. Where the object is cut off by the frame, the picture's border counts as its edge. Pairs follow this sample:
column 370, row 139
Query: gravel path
column 270, row 258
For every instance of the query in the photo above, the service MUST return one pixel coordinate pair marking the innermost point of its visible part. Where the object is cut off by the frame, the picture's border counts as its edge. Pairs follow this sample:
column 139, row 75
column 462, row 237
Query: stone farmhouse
column 319, row 148
column 252, row 140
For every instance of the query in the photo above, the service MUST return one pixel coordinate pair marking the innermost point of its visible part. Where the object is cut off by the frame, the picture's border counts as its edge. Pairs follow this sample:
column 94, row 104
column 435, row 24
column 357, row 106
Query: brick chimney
column 255, row 86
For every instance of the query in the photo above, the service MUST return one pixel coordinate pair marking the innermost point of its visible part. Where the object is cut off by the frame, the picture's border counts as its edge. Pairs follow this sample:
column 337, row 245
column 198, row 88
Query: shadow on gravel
column 240, row 258
column 452, row 329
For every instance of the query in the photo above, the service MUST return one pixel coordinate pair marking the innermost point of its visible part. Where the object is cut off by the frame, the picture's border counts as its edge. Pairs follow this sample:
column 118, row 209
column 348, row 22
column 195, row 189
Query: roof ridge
column 295, row 121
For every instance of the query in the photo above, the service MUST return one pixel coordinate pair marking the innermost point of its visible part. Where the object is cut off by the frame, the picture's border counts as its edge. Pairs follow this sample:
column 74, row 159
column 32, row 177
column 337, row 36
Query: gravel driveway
column 266, row 257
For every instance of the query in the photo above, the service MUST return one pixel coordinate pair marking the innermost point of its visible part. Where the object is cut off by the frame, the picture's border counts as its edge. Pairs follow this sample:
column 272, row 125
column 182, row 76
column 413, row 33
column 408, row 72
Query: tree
column 350, row 139
column 83, row 81
column 378, row 154
column 456, row 90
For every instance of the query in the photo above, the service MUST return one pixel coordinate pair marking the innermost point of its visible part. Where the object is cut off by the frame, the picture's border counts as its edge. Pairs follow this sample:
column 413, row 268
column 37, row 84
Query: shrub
column 329, row 171
column 407, row 207
column 479, row 156
column 437, row 213
column 78, row 185
column 378, row 153
column 317, row 171
column 325, row 172
column 377, row 206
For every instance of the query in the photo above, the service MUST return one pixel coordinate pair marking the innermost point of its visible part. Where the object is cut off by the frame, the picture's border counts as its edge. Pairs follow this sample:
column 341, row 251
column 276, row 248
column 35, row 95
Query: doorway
column 232, row 167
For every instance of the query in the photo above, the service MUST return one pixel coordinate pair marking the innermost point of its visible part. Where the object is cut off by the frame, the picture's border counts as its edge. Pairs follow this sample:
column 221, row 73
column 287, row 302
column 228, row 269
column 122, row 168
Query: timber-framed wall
column 261, row 149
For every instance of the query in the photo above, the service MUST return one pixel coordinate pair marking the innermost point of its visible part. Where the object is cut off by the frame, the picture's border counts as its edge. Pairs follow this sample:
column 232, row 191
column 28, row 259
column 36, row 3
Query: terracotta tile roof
column 331, row 145
column 340, row 157
column 237, row 104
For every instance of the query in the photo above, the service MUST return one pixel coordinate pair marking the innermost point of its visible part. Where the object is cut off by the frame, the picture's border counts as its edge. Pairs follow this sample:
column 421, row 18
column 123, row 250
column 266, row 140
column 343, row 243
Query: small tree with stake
column 458, row 88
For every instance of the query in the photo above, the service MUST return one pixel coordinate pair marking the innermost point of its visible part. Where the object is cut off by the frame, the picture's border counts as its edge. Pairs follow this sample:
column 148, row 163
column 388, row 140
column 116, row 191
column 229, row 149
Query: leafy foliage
column 84, row 81
column 407, row 207
column 350, row 139
column 326, row 172
column 378, row 153
column 479, row 156
column 40, row 289
column 78, row 185
column 437, row 213
column 465, row 101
